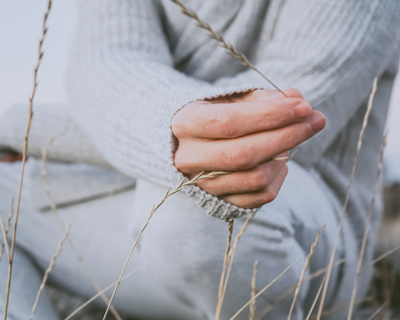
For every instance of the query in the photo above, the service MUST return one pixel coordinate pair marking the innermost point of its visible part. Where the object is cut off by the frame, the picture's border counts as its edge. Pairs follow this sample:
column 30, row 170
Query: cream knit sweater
column 135, row 63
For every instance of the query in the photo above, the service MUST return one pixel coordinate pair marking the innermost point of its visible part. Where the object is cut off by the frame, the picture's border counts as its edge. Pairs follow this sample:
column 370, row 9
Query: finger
column 231, row 120
column 245, row 152
column 257, row 199
column 254, row 180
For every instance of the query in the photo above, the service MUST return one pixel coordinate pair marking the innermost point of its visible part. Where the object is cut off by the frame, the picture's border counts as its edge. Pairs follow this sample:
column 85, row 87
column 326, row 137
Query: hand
column 240, row 134
column 10, row 158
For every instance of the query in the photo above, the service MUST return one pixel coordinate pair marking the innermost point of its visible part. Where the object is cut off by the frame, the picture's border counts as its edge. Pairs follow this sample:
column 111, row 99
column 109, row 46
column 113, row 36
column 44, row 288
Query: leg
column 184, row 249
column 26, row 280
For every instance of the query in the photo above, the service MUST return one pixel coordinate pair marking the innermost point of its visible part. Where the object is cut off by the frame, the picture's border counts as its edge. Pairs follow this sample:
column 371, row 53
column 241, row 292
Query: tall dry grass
column 230, row 250
column 24, row 154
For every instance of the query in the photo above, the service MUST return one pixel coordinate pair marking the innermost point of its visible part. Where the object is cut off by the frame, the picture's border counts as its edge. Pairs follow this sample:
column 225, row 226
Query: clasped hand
column 240, row 134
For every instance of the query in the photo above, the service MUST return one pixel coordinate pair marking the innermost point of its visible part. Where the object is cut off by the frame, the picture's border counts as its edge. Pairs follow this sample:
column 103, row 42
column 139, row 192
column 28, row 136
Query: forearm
column 50, row 123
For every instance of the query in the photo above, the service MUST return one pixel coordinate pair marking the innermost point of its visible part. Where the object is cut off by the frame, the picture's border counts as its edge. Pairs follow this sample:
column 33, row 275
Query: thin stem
column 46, row 274
column 376, row 312
column 98, row 294
column 265, row 288
column 316, row 298
column 313, row 276
column 167, row 194
column 218, row 37
column 232, row 255
column 54, row 209
column 7, row 229
column 303, row 272
column 359, row 145
column 381, row 257
column 221, row 281
column 365, row 237
column 4, row 232
column 252, row 306
column 24, row 156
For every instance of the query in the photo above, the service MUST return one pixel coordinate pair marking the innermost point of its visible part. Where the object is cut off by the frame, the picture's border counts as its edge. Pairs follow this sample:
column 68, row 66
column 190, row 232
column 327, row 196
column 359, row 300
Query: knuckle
column 256, row 181
column 180, row 161
column 225, row 124
column 238, row 158
column 178, row 126
column 290, row 139
column 294, row 93
column 269, row 195
column 182, row 121
column 285, row 169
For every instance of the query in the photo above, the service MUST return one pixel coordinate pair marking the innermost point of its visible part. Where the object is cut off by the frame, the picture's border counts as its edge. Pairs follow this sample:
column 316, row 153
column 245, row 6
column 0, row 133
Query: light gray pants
column 179, row 257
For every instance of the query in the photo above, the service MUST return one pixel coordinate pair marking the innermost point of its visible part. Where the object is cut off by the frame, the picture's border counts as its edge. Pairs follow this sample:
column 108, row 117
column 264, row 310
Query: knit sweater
column 134, row 64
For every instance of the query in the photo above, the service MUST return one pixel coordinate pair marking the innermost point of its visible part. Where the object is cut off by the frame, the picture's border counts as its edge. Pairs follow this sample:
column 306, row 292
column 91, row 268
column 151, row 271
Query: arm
column 331, row 51
column 49, row 122
column 124, row 93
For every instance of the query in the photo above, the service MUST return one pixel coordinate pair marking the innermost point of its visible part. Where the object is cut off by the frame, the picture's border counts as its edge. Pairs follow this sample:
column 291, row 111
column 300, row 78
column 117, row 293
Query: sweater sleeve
column 331, row 51
column 50, row 123
column 124, row 91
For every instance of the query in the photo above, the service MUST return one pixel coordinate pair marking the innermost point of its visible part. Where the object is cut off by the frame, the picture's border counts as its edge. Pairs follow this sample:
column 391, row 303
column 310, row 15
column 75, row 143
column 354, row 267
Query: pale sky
column 20, row 30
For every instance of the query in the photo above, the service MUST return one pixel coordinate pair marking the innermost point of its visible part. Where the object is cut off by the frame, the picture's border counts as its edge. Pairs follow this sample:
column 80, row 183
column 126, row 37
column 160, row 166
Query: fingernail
column 317, row 121
column 302, row 110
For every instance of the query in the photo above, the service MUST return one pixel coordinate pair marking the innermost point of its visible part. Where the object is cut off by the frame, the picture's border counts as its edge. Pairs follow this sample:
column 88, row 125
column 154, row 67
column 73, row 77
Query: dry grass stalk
column 24, row 155
column 53, row 207
column 230, row 258
column 169, row 193
column 303, row 272
column 376, row 312
column 359, row 145
column 316, row 299
column 265, row 288
column 314, row 275
column 7, row 228
column 252, row 306
column 4, row 232
column 218, row 37
column 343, row 306
column 47, row 272
column 221, row 281
column 73, row 313
column 381, row 257
column 365, row 236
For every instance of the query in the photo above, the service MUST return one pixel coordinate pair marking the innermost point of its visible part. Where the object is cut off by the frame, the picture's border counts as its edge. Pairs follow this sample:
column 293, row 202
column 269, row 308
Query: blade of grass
column 3, row 243
column 47, row 272
column 218, row 37
column 316, row 298
column 303, row 272
column 54, row 209
column 252, row 306
column 4, row 232
column 265, row 288
column 381, row 257
column 231, row 256
column 359, row 145
column 365, row 236
column 99, row 294
column 24, row 156
column 376, row 312
column 221, row 281
column 169, row 193
column 314, row 275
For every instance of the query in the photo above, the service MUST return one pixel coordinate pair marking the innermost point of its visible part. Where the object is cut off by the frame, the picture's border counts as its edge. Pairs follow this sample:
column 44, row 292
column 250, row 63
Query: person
column 152, row 100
